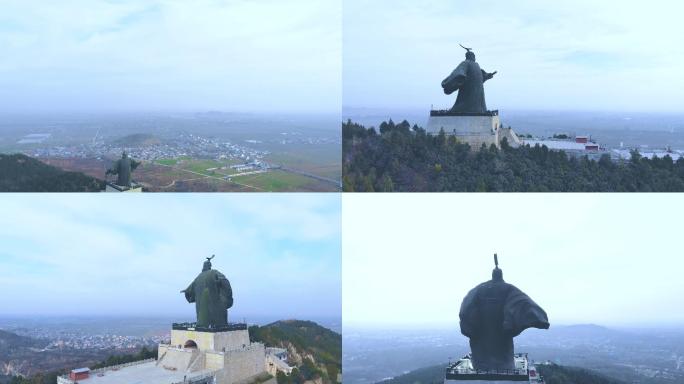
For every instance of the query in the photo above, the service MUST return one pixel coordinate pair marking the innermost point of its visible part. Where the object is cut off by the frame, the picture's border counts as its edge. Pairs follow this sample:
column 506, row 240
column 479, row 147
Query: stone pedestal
column 472, row 128
column 475, row 129
column 210, row 341
column 228, row 355
column 111, row 187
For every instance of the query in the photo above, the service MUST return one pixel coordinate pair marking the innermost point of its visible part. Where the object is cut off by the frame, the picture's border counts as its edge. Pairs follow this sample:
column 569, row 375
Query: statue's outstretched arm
column 134, row 164
column 521, row 312
column 190, row 293
column 486, row 76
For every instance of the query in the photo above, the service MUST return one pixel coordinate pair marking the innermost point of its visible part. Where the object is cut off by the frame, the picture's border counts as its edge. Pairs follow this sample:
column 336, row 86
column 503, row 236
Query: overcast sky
column 567, row 54
column 68, row 254
column 609, row 259
column 230, row 55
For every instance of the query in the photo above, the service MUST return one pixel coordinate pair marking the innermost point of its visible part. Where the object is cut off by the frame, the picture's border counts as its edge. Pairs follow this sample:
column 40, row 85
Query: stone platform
column 462, row 372
column 228, row 354
column 112, row 187
column 472, row 128
column 228, row 338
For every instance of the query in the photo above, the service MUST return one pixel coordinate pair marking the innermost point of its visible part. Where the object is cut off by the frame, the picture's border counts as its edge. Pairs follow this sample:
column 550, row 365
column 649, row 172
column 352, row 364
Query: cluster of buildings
column 570, row 144
column 586, row 146
column 182, row 145
column 103, row 342
column 63, row 339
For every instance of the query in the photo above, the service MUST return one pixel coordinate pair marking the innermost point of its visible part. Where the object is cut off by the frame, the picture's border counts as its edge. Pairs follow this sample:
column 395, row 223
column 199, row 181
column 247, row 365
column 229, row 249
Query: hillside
column 21, row 173
column 315, row 350
column 9, row 340
column 405, row 159
column 427, row 375
column 557, row 374
column 553, row 374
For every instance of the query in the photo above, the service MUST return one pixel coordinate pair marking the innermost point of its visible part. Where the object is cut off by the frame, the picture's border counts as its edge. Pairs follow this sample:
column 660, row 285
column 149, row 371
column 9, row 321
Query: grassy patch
column 275, row 181
column 166, row 161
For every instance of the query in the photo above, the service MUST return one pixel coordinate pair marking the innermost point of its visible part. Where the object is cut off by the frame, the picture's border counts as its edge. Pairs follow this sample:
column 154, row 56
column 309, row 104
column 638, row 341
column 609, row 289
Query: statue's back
column 470, row 97
column 483, row 313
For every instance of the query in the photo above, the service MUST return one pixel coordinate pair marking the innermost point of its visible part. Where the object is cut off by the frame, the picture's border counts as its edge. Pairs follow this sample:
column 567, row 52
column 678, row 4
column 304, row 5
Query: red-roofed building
column 79, row 374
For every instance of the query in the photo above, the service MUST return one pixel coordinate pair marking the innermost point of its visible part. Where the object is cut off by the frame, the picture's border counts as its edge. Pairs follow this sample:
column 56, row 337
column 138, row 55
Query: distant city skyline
column 125, row 255
column 608, row 259
column 154, row 55
column 561, row 55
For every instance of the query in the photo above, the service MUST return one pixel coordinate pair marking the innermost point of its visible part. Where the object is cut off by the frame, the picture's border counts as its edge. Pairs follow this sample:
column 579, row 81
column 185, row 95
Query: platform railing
column 199, row 378
column 222, row 328
column 448, row 112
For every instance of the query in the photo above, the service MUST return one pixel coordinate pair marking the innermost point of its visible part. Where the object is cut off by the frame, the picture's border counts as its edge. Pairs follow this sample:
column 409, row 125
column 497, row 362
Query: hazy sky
column 609, row 259
column 572, row 54
column 69, row 254
column 231, row 55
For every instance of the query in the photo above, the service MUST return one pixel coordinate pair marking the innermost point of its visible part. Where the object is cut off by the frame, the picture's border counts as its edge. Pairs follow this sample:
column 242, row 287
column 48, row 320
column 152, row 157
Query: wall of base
column 211, row 341
column 474, row 130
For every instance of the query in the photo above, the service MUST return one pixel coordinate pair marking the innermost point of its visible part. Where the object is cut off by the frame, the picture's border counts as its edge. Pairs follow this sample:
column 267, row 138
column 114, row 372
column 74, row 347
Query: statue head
column 470, row 55
column 124, row 155
column 207, row 264
column 497, row 274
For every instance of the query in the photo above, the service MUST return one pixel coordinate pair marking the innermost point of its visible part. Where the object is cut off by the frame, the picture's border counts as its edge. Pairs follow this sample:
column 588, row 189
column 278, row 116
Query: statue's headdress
column 497, row 274
column 469, row 52
column 207, row 264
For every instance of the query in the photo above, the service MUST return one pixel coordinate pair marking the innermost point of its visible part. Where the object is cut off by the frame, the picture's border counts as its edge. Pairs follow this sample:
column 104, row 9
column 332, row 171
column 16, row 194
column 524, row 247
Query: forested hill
column 315, row 350
column 553, row 374
column 558, row 374
column 404, row 158
column 21, row 173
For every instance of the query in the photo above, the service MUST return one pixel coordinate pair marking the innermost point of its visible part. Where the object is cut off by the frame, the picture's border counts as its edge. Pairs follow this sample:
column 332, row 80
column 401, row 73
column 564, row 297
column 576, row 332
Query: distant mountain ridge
column 21, row 173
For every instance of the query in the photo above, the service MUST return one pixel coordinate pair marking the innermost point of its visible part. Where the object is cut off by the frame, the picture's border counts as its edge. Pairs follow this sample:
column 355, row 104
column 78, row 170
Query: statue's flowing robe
column 491, row 315
column 123, row 168
column 212, row 295
column 468, row 79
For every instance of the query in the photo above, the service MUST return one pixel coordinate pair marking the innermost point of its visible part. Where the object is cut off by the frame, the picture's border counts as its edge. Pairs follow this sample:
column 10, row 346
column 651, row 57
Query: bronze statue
column 212, row 295
column 492, row 314
column 468, row 79
column 123, row 168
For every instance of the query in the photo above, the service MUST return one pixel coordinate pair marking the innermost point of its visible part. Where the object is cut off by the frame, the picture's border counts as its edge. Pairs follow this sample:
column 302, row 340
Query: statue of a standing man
column 469, row 80
column 492, row 314
column 212, row 295
column 123, row 168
